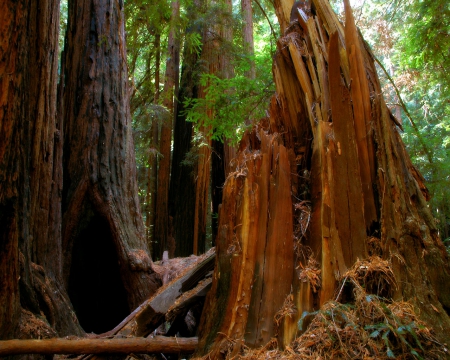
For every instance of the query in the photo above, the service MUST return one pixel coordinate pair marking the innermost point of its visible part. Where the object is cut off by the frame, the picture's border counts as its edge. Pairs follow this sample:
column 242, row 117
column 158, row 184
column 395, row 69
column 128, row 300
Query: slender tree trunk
column 249, row 47
column 304, row 196
column 153, row 159
column 182, row 182
column 168, row 98
column 210, row 57
column 224, row 151
column 105, row 252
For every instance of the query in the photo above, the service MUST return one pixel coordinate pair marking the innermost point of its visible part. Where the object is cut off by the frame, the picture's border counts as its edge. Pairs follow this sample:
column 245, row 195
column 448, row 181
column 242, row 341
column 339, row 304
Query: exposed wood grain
column 345, row 172
column 362, row 115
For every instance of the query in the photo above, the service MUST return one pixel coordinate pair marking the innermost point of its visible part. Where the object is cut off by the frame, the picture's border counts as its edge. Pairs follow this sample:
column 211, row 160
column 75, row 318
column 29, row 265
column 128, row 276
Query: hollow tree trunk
column 106, row 258
column 30, row 173
column 310, row 188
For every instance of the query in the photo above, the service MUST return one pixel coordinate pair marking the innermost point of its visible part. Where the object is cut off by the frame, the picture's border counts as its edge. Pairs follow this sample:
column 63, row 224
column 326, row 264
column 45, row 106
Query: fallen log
column 158, row 344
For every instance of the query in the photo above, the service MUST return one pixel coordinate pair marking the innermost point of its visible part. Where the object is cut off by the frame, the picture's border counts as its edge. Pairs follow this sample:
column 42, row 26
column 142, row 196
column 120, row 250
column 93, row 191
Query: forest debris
column 371, row 328
column 98, row 346
column 188, row 298
column 304, row 217
column 34, row 327
column 310, row 273
column 367, row 327
column 149, row 315
column 288, row 309
column 174, row 267
column 374, row 275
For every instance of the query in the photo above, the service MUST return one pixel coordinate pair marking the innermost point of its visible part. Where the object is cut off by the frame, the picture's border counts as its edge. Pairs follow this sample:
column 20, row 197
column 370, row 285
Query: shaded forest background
column 409, row 38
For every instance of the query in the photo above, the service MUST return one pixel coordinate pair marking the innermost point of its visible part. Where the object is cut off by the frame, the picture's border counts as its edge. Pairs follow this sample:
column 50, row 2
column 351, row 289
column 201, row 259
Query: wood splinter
column 158, row 344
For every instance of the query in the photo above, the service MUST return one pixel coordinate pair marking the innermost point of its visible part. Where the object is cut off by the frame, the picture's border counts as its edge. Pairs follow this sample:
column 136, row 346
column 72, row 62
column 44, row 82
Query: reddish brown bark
column 102, row 231
column 153, row 159
column 247, row 31
column 168, row 97
column 30, row 169
column 13, row 17
column 224, row 151
column 158, row 344
column 182, row 180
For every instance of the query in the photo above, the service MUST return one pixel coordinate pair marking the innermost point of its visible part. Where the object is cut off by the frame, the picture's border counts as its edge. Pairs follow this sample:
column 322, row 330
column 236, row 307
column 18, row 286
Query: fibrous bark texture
column 30, row 176
column 105, row 252
column 323, row 182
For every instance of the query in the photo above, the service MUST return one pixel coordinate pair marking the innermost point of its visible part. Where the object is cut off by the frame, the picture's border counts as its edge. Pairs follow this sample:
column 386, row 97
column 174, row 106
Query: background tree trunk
column 247, row 31
column 153, row 158
column 182, row 180
column 224, row 151
column 107, row 266
column 168, row 97
column 360, row 196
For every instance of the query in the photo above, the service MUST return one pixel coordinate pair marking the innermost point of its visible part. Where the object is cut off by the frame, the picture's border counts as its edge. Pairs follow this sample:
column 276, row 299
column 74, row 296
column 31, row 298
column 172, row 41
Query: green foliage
column 142, row 126
column 231, row 105
column 193, row 42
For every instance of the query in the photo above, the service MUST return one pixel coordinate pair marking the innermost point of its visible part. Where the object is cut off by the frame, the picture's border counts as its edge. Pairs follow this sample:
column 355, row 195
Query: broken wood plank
column 200, row 273
column 159, row 344
column 188, row 298
column 154, row 309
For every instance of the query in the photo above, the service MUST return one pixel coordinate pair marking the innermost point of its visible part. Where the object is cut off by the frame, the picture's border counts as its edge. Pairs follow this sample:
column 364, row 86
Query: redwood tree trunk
column 162, row 239
column 224, row 151
column 249, row 47
column 182, row 180
column 153, row 159
column 30, row 173
column 106, row 257
column 311, row 189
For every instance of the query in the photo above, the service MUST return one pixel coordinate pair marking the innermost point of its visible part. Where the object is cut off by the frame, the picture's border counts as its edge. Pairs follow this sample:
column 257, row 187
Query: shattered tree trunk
column 326, row 177
column 107, row 266
column 30, row 176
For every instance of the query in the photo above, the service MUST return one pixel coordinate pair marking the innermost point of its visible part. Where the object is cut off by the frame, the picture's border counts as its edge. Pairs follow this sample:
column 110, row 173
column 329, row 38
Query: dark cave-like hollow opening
column 95, row 285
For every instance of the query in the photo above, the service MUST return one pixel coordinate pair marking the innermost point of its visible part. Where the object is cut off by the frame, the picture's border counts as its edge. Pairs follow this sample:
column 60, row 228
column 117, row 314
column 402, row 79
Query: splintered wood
column 255, row 246
column 328, row 142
